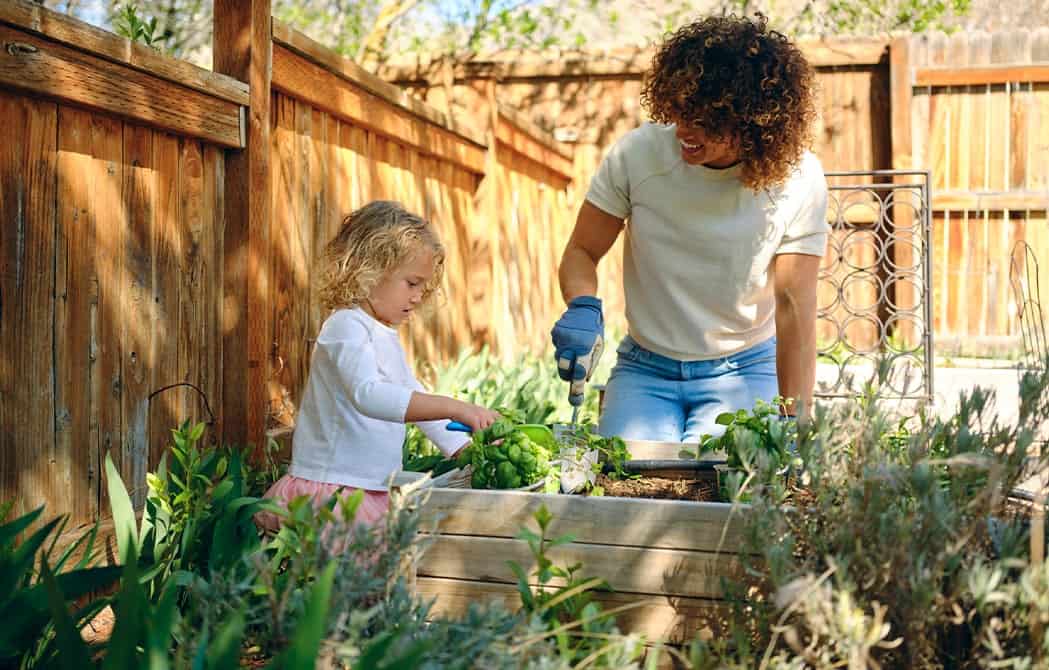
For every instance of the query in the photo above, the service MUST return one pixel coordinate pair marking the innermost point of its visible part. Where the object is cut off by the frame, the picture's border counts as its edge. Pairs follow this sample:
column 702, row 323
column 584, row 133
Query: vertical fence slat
column 27, row 248
column 138, row 312
column 961, row 116
column 76, row 462
column 107, row 142
column 978, row 135
column 939, row 119
column 998, row 171
column 1038, row 173
column 901, row 294
column 1019, row 112
column 289, row 175
column 166, row 409
column 193, row 316
column 211, row 352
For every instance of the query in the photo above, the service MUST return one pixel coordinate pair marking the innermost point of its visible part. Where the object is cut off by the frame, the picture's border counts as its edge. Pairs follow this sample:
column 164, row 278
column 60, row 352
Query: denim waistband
column 670, row 368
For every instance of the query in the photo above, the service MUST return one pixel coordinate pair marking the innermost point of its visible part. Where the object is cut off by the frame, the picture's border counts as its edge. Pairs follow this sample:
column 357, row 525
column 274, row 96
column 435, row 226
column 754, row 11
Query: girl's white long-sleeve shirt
column 350, row 425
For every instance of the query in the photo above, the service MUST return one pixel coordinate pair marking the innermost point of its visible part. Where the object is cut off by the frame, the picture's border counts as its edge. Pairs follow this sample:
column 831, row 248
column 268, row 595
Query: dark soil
column 699, row 490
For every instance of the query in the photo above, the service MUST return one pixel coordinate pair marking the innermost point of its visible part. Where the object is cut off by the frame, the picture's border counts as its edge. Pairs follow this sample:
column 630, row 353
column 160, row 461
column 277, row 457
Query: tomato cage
column 874, row 309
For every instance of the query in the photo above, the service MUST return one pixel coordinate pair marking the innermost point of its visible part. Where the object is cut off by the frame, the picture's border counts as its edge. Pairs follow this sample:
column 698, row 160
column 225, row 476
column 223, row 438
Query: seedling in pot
column 584, row 454
column 758, row 445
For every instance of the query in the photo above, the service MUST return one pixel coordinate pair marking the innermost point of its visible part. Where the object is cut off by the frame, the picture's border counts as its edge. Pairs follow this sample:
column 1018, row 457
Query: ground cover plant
column 199, row 587
column 901, row 547
column 890, row 541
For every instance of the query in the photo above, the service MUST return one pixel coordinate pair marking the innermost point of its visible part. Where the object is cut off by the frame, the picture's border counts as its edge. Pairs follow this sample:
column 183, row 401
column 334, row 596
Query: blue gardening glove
column 575, row 333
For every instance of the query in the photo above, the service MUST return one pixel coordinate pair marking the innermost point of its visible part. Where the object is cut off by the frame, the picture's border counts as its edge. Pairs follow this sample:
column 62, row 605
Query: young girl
column 383, row 264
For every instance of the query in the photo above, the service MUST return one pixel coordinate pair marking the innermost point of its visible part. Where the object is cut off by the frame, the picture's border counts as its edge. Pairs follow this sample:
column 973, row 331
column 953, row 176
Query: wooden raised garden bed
column 668, row 555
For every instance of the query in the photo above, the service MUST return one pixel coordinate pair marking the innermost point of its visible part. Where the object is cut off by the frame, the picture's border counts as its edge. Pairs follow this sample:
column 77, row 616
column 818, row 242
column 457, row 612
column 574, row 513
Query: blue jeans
column 652, row 397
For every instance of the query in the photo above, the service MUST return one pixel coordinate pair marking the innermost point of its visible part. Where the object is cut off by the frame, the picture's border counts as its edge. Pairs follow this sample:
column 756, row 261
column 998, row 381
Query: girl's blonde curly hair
column 734, row 78
column 371, row 242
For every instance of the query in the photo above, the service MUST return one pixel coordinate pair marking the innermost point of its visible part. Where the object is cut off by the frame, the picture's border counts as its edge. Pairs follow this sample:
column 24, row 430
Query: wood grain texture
column 980, row 75
column 668, row 524
column 669, row 572
column 138, row 325
column 47, row 68
column 27, row 250
column 107, row 141
column 76, row 295
column 243, row 49
column 299, row 78
column 167, row 408
column 671, row 619
column 81, row 36
column 302, row 45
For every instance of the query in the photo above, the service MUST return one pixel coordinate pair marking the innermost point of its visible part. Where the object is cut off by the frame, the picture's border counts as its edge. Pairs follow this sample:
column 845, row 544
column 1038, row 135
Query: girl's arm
column 432, row 407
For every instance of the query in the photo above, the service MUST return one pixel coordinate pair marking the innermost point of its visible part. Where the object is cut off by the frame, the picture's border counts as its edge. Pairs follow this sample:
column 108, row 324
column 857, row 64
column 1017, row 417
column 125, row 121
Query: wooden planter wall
column 667, row 557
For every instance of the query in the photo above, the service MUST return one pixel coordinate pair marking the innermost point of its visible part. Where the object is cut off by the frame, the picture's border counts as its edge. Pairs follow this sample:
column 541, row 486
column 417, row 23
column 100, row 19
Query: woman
column 725, row 217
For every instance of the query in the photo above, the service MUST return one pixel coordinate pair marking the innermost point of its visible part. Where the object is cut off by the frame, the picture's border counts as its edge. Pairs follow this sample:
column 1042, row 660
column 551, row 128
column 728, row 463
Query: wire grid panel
column 1025, row 277
column 874, row 318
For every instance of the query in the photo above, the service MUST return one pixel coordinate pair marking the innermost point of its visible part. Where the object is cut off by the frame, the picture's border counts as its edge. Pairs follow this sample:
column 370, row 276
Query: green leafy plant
column 530, row 387
column 129, row 24
column 757, row 445
column 321, row 590
column 576, row 622
column 611, row 454
column 903, row 550
column 505, row 456
column 196, row 516
column 28, row 595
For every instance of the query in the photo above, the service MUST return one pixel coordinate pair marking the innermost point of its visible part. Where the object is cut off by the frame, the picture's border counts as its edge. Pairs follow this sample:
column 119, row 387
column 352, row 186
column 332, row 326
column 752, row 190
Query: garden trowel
column 582, row 371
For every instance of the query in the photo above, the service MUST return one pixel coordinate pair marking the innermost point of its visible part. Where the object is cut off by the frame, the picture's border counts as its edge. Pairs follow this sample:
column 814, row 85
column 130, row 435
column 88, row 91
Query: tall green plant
column 197, row 517
column 575, row 622
column 28, row 635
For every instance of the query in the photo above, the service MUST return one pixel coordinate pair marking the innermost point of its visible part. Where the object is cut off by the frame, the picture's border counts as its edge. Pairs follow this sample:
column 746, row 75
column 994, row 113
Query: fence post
column 900, row 246
column 243, row 48
column 901, row 82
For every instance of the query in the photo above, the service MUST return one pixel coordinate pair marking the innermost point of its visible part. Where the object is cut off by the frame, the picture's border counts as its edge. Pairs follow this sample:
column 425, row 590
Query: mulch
column 698, row 490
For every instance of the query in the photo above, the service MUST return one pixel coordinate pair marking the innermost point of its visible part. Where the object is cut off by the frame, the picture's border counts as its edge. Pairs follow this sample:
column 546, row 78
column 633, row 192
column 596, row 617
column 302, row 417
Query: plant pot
column 578, row 468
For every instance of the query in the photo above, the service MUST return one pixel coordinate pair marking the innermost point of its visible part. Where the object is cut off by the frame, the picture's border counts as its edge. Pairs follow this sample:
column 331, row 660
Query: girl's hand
column 476, row 417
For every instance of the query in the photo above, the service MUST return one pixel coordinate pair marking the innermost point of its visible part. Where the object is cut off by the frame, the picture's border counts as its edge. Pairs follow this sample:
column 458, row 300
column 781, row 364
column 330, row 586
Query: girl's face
column 700, row 148
column 397, row 295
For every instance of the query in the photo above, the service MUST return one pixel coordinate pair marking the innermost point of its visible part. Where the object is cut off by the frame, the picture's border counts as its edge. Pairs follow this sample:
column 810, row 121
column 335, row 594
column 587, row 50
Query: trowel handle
column 457, row 427
column 586, row 363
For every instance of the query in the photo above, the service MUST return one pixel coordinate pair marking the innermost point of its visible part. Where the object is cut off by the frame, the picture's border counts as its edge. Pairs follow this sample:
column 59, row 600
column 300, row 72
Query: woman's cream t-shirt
column 699, row 245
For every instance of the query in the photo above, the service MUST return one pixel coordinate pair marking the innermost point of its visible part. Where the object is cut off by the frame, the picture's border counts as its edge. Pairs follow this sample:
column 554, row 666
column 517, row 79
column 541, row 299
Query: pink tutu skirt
column 287, row 488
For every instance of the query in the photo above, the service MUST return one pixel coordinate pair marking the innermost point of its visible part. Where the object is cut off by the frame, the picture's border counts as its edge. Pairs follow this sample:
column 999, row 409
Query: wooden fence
column 980, row 122
column 160, row 222
column 972, row 108
column 111, row 190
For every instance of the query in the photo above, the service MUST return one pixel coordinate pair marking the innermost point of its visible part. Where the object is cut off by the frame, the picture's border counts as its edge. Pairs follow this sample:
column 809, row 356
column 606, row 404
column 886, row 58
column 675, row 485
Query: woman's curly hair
column 734, row 78
column 371, row 242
